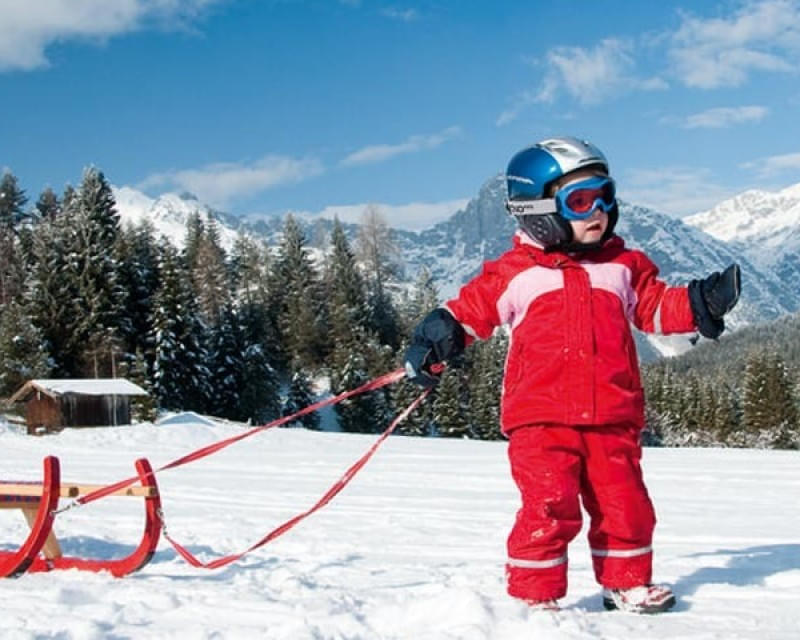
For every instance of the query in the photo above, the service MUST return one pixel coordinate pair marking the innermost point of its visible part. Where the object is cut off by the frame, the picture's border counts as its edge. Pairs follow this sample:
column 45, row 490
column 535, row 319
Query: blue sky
column 269, row 105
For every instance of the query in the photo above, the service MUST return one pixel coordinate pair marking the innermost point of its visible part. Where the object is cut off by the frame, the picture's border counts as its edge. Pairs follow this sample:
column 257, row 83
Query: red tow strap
column 373, row 384
column 325, row 499
column 340, row 484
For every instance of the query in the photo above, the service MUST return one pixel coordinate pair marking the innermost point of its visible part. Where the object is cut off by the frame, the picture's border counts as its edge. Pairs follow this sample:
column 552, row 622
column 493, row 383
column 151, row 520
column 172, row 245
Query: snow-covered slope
column 412, row 549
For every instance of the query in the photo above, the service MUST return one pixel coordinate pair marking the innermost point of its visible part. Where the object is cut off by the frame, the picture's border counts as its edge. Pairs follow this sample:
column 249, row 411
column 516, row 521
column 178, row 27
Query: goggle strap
column 531, row 207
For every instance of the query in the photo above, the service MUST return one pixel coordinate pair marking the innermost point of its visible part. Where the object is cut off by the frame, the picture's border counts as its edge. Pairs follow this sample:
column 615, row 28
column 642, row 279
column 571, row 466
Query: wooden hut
column 51, row 405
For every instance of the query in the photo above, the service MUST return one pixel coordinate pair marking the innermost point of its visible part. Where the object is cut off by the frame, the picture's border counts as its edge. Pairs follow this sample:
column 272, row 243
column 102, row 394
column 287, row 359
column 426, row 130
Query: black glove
column 712, row 298
column 438, row 337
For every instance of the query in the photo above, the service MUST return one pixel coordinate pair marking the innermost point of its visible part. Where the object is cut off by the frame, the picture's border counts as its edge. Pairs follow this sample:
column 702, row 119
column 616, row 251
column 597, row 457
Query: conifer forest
column 248, row 333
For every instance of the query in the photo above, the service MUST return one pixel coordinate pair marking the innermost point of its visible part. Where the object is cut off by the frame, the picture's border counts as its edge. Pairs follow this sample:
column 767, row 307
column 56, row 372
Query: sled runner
column 38, row 502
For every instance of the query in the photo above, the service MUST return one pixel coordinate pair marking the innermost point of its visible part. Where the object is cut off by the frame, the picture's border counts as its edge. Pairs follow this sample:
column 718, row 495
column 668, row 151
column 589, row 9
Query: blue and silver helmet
column 529, row 176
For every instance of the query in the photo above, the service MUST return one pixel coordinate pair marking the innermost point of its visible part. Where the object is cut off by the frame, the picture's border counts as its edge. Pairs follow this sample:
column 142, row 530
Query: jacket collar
column 522, row 240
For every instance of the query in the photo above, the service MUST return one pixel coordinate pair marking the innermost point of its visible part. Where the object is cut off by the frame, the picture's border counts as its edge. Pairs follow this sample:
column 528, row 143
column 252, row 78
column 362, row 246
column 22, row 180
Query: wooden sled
column 38, row 502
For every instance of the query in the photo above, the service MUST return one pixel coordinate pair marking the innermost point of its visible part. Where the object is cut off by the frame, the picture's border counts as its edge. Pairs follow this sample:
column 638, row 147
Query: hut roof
column 79, row 386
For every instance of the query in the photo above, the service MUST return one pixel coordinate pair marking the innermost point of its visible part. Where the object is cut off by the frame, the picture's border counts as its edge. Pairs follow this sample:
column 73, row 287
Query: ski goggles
column 578, row 200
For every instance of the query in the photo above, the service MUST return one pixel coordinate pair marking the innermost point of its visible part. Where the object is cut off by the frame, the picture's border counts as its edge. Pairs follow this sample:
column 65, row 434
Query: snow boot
column 647, row 598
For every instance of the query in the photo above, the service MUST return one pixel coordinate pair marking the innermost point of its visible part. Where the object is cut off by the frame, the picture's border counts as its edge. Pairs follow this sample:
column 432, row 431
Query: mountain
column 455, row 249
column 763, row 225
column 170, row 212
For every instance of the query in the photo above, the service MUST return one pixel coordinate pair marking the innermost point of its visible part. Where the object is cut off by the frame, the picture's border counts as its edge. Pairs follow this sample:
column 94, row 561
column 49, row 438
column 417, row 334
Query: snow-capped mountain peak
column 753, row 214
column 169, row 214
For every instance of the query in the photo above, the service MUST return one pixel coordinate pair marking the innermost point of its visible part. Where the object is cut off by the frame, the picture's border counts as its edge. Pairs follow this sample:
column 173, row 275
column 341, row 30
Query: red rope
column 373, row 384
column 325, row 499
column 340, row 484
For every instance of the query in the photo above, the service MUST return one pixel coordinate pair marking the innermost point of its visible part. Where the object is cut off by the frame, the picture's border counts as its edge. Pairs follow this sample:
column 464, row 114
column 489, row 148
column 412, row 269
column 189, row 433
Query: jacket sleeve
column 475, row 306
column 659, row 308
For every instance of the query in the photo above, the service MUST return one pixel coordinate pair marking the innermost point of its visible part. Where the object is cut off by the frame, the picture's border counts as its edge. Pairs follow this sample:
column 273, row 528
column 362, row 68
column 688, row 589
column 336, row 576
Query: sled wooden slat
column 67, row 491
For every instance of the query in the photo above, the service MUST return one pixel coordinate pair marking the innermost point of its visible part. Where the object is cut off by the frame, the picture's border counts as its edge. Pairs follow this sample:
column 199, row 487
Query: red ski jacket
column 571, row 357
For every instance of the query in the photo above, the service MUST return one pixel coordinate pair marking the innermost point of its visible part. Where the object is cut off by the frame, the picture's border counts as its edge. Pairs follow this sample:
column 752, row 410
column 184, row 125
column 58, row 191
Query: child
column 572, row 399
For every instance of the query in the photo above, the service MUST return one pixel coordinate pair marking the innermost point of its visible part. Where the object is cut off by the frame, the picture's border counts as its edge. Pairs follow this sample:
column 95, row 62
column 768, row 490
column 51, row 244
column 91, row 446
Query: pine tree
column 23, row 355
column 425, row 298
column 12, row 213
column 249, row 266
column 755, row 412
column 259, row 399
column 418, row 422
column 295, row 298
column 195, row 232
column 143, row 408
column 225, row 365
column 449, row 406
column 485, row 363
column 210, row 275
column 94, row 226
column 137, row 257
column 50, row 292
column 180, row 371
column 300, row 396
column 48, row 205
column 770, row 410
column 360, row 413
column 346, row 296
column 12, row 202
column 378, row 252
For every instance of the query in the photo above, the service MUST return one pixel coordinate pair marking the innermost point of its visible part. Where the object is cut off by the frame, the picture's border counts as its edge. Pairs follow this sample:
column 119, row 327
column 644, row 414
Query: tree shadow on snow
column 746, row 567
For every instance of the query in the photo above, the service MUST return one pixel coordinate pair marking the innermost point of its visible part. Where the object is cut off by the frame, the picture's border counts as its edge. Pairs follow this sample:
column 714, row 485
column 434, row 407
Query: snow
column 413, row 548
column 88, row 386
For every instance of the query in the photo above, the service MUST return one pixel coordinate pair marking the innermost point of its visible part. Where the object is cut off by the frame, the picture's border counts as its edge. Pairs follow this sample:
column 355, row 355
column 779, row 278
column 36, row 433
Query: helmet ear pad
column 550, row 230
column 555, row 233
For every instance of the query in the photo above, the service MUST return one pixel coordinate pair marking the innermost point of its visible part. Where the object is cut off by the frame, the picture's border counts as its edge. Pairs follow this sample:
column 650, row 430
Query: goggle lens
column 581, row 198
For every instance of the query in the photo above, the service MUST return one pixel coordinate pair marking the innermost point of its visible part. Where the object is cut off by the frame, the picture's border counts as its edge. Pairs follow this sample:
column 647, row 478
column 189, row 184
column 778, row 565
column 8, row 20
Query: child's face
column 592, row 228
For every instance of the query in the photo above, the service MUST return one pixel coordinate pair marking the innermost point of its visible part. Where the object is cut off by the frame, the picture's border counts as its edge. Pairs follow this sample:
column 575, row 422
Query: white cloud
column 589, row 75
column 763, row 36
column 774, row 165
column 721, row 117
column 677, row 191
column 380, row 152
column 521, row 102
column 28, row 28
column 404, row 15
column 222, row 183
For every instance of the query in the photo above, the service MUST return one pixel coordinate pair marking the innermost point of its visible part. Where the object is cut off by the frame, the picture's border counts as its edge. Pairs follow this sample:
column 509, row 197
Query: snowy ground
column 413, row 548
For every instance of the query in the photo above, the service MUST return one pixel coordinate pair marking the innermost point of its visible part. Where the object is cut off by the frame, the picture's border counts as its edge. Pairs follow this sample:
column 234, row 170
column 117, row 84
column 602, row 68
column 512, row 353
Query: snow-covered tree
column 295, row 297
column 180, row 371
column 300, row 396
column 23, row 354
column 486, row 361
column 93, row 231
column 12, row 212
column 450, row 417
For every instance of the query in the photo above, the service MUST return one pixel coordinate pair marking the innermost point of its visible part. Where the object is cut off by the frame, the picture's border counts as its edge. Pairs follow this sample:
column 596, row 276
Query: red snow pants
column 556, row 467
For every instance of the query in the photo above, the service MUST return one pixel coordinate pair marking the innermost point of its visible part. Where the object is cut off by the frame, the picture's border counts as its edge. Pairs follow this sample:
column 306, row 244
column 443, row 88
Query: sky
column 274, row 105
column 412, row 549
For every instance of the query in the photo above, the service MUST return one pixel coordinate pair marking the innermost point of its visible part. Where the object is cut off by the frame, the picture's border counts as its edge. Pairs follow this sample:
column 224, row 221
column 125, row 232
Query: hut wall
column 95, row 411
column 43, row 414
